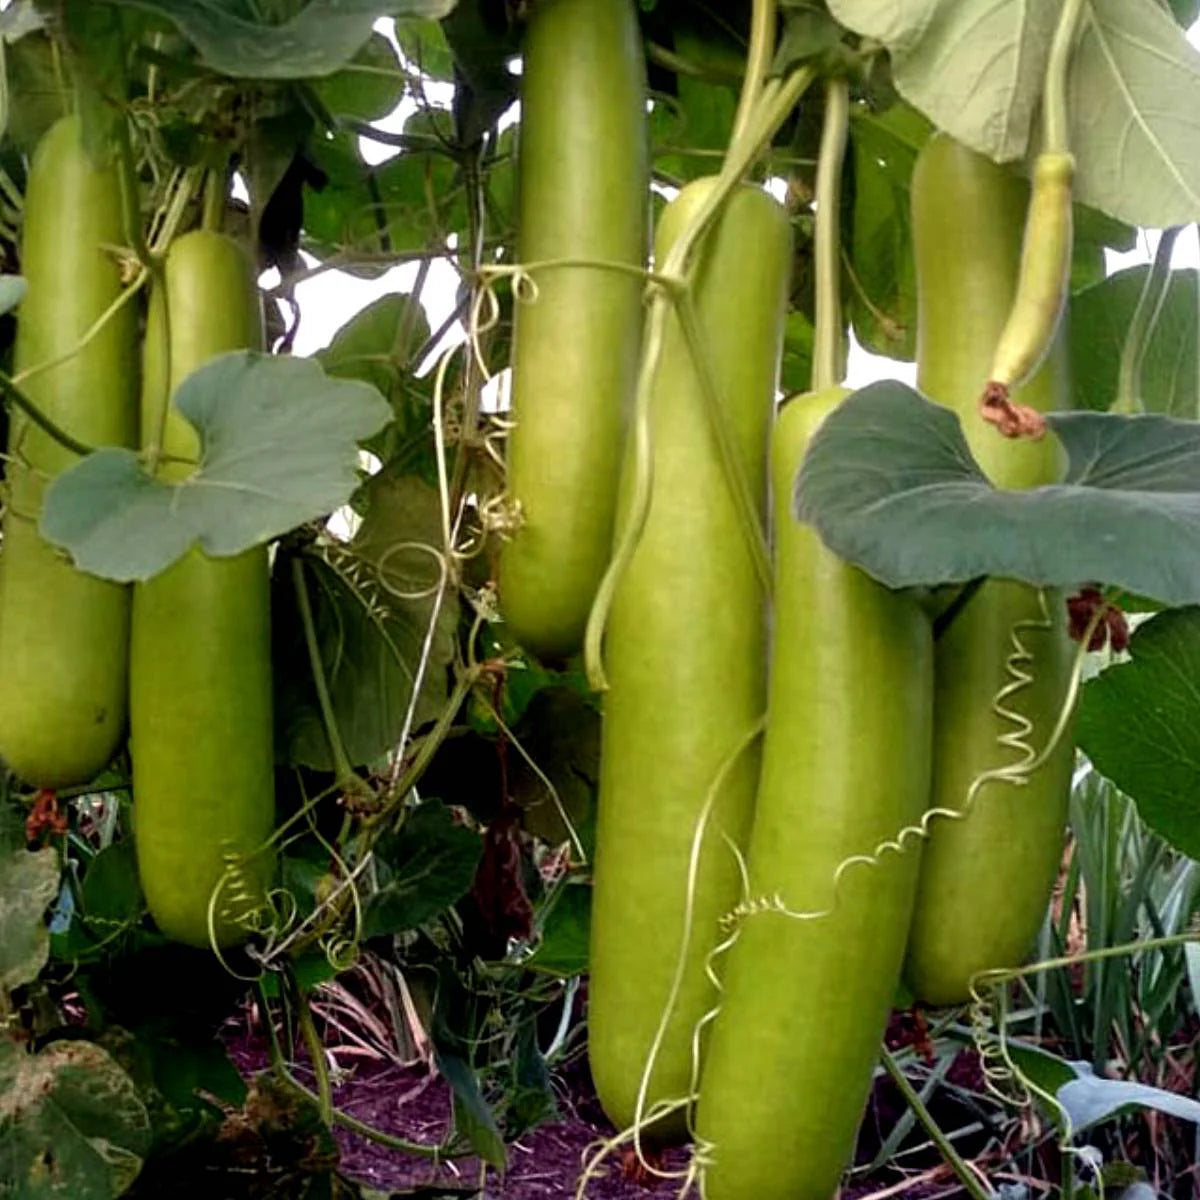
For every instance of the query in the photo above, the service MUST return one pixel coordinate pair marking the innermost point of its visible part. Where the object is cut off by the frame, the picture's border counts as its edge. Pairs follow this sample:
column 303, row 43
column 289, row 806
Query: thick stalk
column 758, row 62
column 1055, row 123
column 827, row 336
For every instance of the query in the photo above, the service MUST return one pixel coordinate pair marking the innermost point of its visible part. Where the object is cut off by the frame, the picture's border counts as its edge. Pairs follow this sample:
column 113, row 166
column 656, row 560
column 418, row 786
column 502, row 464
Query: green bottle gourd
column 985, row 878
column 64, row 634
column 200, row 665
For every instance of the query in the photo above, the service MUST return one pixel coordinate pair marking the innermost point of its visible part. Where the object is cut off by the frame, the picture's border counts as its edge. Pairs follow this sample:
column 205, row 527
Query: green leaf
column 973, row 67
column 1135, row 104
column 1090, row 1099
column 563, row 948
column 379, row 346
column 473, row 1117
column 699, row 122
column 36, row 97
column 369, row 86
column 71, row 1124
column 321, row 37
column 883, row 296
column 372, row 605
column 560, row 732
column 12, row 292
column 279, row 448
column 424, row 45
column 399, row 206
column 1140, row 725
column 1100, row 320
column 422, row 870
column 1094, row 233
column 28, row 883
column 795, row 373
column 891, row 486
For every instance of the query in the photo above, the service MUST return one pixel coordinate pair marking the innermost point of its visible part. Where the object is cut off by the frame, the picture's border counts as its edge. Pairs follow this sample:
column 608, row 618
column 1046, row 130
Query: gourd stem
column 1055, row 124
column 827, row 368
column 44, row 423
column 341, row 764
column 758, row 62
column 967, row 1177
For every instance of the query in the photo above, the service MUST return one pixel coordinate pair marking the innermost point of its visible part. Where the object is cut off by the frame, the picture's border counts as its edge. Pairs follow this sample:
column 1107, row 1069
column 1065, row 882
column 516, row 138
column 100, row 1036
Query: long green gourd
column 583, row 193
column 202, row 739
column 846, row 764
column 1003, row 664
column 685, row 652
column 64, row 635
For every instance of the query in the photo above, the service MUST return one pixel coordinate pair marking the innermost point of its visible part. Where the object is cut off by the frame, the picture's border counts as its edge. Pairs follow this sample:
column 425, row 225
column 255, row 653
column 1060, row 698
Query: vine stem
column 1141, row 328
column 39, row 418
column 827, row 333
column 964, row 1174
column 316, row 1054
column 776, row 102
column 758, row 62
column 1055, row 112
column 343, row 769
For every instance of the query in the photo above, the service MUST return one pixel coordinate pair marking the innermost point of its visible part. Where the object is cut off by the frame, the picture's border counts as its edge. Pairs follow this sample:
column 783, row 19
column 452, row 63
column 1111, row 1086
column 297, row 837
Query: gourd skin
column 200, row 674
column 685, row 655
column 985, row 879
column 64, row 635
column 846, row 763
column 582, row 193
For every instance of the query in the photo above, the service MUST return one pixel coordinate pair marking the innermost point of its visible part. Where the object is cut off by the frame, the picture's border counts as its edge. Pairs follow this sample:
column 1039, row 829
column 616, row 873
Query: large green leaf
column 372, row 606
column 320, row 37
column 1100, row 320
column 28, row 883
column 1140, row 725
column 883, row 294
column 421, row 870
column 280, row 448
column 890, row 484
column 975, row 68
column 71, row 1124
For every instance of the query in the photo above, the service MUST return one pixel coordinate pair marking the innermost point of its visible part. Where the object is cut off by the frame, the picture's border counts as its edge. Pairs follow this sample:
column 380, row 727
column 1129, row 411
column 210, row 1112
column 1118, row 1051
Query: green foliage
column 891, row 486
column 1140, row 725
column 316, row 38
column 1134, row 74
column 279, row 448
column 1101, row 315
column 423, row 869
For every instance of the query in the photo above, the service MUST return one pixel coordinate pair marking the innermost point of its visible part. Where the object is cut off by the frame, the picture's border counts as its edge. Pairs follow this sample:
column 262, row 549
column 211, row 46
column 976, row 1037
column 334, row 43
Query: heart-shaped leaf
column 1140, row 725
column 891, row 486
column 279, row 445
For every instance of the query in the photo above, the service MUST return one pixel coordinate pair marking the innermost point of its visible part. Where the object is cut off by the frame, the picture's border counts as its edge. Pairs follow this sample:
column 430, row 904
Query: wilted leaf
column 280, row 448
column 28, row 883
column 71, row 1124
